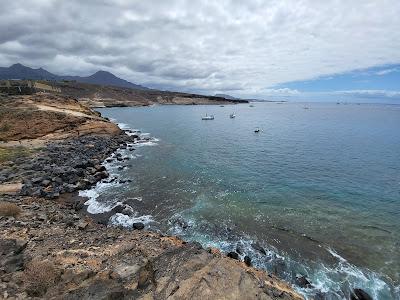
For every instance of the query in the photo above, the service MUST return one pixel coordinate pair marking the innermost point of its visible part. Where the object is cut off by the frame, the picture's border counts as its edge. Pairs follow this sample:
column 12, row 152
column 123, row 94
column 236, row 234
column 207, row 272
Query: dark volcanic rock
column 64, row 166
column 11, row 255
column 259, row 248
column 233, row 255
column 46, row 182
column 279, row 267
column 138, row 226
column 359, row 294
column 240, row 248
column 247, row 261
column 303, row 282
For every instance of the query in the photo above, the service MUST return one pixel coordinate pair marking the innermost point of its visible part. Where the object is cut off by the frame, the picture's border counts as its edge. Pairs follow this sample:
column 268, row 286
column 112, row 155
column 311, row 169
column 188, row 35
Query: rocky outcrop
column 51, row 251
column 106, row 96
column 49, row 117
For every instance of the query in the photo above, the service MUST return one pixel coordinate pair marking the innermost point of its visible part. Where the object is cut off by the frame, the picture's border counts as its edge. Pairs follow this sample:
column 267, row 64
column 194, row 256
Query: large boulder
column 360, row 294
column 302, row 282
column 256, row 246
column 138, row 226
column 11, row 255
column 233, row 255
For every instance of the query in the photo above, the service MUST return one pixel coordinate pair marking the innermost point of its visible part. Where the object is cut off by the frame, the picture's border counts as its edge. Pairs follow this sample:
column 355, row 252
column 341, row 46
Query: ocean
column 318, row 187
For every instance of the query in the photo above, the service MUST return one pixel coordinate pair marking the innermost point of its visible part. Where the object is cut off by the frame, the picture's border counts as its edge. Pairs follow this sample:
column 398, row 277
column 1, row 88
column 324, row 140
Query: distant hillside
column 100, row 89
column 226, row 96
column 19, row 71
column 100, row 95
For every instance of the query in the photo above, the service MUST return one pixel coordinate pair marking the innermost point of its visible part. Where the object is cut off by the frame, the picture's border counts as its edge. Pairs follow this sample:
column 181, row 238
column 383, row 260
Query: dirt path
column 66, row 111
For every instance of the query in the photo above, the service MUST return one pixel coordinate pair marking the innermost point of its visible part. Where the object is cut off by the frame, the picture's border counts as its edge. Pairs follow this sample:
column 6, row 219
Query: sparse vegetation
column 8, row 209
column 39, row 276
column 14, row 152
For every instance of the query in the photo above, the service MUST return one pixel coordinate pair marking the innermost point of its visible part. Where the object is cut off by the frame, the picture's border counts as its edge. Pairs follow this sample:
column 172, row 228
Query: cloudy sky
column 262, row 48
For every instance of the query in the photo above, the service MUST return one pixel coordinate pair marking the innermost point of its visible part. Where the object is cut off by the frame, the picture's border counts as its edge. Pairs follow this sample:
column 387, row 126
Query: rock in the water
column 102, row 175
column 233, row 255
column 359, row 294
column 302, row 282
column 138, row 226
column 259, row 248
column 247, row 261
column 240, row 248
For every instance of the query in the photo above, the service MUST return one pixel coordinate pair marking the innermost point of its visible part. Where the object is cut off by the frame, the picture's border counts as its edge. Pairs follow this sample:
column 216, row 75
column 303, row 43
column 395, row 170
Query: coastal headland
column 53, row 146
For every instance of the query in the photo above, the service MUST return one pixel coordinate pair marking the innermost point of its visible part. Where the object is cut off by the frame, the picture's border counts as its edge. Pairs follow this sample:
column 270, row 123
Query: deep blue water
column 319, row 188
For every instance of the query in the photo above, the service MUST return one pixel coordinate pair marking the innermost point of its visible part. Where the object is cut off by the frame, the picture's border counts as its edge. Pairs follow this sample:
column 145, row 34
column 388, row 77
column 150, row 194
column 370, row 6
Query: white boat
column 208, row 117
column 232, row 116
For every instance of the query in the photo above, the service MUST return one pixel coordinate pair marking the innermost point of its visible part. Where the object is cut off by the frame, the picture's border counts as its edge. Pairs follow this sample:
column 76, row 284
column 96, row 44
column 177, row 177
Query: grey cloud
column 208, row 46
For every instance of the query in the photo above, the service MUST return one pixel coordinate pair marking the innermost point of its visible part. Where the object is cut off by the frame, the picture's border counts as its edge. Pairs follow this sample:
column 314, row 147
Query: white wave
column 326, row 279
column 142, row 143
column 334, row 254
column 93, row 206
column 132, row 132
column 127, row 221
column 139, row 199
column 123, row 126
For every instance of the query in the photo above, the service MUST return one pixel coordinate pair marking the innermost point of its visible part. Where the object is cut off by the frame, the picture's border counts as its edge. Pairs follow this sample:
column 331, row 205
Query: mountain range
column 19, row 71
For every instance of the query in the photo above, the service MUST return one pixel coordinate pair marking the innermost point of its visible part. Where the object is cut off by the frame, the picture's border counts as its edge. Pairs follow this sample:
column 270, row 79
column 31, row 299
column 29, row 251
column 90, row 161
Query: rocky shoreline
column 51, row 251
column 89, row 260
column 50, row 248
column 65, row 166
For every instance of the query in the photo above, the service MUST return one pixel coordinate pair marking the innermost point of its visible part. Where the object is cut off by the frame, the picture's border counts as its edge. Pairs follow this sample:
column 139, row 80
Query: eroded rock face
column 50, row 117
column 92, row 261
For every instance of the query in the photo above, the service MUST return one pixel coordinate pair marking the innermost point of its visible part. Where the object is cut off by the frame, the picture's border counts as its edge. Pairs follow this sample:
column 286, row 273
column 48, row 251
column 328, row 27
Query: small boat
column 251, row 105
column 232, row 116
column 208, row 117
column 221, row 106
column 257, row 130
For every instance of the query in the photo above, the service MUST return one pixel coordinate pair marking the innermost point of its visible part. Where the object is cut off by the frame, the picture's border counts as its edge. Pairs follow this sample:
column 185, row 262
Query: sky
column 270, row 49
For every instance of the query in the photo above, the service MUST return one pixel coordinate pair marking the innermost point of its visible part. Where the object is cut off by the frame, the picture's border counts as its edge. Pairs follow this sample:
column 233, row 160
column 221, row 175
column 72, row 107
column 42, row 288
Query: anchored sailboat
column 208, row 117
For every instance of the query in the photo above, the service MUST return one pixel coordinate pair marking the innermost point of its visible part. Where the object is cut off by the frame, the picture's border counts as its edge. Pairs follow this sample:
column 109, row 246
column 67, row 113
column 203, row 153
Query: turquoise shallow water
column 319, row 188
